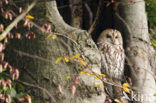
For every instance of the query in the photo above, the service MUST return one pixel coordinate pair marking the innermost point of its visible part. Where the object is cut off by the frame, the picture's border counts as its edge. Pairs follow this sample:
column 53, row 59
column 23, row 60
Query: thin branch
column 67, row 45
column 52, row 99
column 125, row 24
column 32, row 56
column 91, row 29
column 18, row 19
column 90, row 13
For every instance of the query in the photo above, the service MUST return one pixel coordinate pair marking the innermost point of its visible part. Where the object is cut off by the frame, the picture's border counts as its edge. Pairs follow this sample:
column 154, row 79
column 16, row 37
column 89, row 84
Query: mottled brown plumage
column 112, row 52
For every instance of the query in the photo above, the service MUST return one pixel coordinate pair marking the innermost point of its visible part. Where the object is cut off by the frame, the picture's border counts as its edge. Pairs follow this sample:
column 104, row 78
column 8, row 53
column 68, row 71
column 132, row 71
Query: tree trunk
column 139, row 50
column 36, row 60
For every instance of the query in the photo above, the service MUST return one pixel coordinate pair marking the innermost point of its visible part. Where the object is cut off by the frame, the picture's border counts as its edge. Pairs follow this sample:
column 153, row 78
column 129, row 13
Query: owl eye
column 108, row 36
column 116, row 37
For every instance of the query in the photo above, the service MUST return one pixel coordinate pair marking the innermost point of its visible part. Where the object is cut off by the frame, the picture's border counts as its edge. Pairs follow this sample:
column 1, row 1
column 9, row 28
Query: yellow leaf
column 29, row 17
column 66, row 59
column 58, row 60
column 96, row 85
column 83, row 62
column 126, row 85
column 105, row 79
column 48, row 36
column 127, row 90
column 54, row 36
column 82, row 72
column 90, row 74
column 97, row 78
column 117, row 101
column 1, row 37
column 67, row 78
column 75, row 56
column 101, row 84
column 103, row 75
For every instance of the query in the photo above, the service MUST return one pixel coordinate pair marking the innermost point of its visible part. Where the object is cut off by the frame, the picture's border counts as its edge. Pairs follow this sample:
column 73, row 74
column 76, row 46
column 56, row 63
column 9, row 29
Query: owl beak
column 113, row 42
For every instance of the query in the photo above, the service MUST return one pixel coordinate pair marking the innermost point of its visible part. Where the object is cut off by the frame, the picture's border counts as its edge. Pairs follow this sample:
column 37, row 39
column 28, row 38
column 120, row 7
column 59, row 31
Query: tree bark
column 77, row 13
column 38, row 66
column 139, row 50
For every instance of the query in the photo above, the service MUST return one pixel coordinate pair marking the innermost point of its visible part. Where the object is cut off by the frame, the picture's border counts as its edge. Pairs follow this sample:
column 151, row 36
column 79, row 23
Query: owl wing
column 112, row 61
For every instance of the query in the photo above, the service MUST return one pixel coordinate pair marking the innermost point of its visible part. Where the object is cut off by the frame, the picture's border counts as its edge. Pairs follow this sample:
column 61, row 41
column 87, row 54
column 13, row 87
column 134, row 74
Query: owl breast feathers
column 112, row 53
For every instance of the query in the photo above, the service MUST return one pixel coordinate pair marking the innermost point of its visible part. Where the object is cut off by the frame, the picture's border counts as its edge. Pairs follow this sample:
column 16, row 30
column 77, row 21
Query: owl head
column 110, row 36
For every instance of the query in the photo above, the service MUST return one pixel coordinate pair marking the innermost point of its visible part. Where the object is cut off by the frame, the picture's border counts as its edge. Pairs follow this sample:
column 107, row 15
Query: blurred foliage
column 151, row 11
column 151, row 14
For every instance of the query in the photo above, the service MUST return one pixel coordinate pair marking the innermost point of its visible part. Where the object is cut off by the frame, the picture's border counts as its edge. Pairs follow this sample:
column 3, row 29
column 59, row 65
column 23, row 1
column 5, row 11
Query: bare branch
column 125, row 24
column 90, row 13
column 35, row 86
column 96, row 18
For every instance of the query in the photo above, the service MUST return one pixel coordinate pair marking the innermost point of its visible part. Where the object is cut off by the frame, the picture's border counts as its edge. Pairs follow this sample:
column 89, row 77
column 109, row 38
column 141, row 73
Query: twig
column 90, row 13
column 59, row 34
column 91, row 29
column 32, row 56
column 52, row 99
column 125, row 24
column 19, row 18
column 67, row 45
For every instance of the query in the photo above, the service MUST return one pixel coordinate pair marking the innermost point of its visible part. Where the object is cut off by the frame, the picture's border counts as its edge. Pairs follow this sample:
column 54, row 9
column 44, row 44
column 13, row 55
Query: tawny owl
column 111, row 46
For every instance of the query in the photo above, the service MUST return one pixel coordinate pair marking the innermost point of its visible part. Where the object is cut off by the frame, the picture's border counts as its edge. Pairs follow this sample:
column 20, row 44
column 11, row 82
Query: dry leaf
column 77, row 80
column 28, row 99
column 73, row 89
column 60, row 89
column 116, row 5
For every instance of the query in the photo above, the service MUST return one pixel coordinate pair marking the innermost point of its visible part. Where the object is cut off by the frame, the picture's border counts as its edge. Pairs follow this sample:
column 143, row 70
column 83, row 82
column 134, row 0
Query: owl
column 110, row 45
